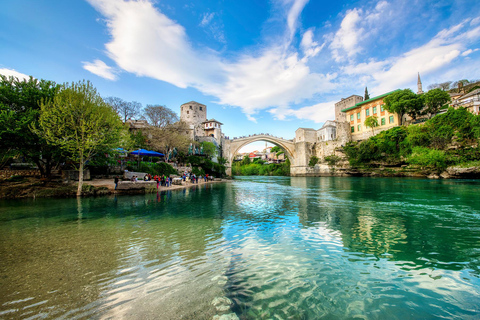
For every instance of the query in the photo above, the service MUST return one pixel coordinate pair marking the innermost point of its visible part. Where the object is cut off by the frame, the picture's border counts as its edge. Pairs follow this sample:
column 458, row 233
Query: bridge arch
column 237, row 143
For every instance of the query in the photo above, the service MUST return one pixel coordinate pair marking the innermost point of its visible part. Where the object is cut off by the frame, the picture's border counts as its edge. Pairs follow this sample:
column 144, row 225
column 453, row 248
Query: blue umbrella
column 147, row 153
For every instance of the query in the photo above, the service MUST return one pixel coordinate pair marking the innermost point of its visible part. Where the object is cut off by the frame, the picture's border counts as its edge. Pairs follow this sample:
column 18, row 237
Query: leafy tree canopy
column 209, row 149
column 435, row 99
column 371, row 122
column 19, row 111
column 80, row 123
column 404, row 102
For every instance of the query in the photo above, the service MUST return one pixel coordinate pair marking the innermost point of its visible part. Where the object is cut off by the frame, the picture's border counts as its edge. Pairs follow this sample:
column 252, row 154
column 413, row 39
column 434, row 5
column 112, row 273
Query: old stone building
column 200, row 129
column 345, row 103
column 194, row 114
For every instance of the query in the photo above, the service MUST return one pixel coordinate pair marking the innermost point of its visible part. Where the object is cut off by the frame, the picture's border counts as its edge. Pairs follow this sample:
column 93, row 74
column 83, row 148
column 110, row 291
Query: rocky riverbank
column 385, row 170
column 30, row 187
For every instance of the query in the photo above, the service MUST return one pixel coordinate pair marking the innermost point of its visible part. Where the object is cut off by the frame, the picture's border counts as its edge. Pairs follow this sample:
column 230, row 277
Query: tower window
column 191, row 108
column 188, row 112
column 201, row 108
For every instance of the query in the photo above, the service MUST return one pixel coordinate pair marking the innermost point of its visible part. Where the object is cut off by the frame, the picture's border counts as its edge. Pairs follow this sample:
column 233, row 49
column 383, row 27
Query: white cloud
column 356, row 26
column 147, row 43
column 310, row 48
column 14, row 73
column 346, row 39
column 469, row 51
column 101, row 69
column 215, row 29
column 318, row 113
column 207, row 18
column 293, row 14
column 397, row 72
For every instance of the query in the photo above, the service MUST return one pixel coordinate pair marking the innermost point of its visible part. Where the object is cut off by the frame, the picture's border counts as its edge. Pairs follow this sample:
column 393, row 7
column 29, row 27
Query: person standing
column 116, row 182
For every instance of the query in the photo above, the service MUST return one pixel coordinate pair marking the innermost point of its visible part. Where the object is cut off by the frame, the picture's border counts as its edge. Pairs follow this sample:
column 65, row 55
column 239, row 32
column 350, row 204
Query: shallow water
column 257, row 248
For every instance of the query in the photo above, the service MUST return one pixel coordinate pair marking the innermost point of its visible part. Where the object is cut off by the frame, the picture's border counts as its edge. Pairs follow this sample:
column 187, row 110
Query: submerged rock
column 230, row 316
column 222, row 303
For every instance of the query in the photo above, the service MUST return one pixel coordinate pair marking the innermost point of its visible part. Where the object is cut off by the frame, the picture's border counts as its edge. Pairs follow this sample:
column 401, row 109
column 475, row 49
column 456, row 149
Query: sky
column 259, row 66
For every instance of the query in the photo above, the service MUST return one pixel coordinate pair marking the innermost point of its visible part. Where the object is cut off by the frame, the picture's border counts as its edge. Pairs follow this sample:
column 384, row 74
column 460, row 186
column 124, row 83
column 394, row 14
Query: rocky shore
column 30, row 187
column 385, row 170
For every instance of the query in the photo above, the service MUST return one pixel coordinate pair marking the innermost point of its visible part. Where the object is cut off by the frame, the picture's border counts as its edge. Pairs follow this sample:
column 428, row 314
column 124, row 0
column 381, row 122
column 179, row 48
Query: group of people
column 193, row 177
column 163, row 181
column 166, row 181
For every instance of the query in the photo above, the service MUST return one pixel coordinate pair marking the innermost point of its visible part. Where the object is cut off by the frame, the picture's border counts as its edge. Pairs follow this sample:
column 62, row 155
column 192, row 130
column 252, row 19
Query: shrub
column 332, row 160
column 313, row 161
column 428, row 158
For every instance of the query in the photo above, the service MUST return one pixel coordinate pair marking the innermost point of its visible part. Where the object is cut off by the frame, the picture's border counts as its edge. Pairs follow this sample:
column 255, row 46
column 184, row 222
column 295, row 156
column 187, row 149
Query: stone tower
column 419, row 85
column 194, row 114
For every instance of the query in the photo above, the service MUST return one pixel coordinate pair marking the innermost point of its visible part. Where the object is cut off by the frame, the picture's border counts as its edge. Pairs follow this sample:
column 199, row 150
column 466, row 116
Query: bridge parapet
column 258, row 135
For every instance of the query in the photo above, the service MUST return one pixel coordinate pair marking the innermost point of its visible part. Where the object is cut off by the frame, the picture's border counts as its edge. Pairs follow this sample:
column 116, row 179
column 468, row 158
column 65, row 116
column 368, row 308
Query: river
column 254, row 248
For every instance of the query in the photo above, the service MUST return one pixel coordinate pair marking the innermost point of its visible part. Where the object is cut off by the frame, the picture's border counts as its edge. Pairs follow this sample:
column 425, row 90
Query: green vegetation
column 445, row 140
column 80, row 123
column 371, row 122
column 435, row 99
column 404, row 102
column 160, row 168
column 203, row 165
column 260, row 168
column 332, row 160
column 19, row 112
column 313, row 161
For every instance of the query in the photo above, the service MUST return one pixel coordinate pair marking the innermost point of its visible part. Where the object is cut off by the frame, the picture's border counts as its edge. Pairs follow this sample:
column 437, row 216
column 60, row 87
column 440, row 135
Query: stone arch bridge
column 232, row 146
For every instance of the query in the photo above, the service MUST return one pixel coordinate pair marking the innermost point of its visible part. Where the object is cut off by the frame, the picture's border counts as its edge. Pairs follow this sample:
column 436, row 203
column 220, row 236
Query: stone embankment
column 34, row 188
column 343, row 169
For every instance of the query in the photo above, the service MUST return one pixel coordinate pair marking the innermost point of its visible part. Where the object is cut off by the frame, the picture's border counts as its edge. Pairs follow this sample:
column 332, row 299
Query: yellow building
column 357, row 115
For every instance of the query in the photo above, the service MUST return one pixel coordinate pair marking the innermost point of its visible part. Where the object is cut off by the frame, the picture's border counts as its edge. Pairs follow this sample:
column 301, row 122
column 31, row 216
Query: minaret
column 419, row 85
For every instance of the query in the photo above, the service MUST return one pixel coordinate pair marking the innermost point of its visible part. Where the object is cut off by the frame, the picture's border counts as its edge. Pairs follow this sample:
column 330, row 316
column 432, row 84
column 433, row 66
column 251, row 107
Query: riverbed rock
column 457, row 172
column 222, row 303
column 230, row 316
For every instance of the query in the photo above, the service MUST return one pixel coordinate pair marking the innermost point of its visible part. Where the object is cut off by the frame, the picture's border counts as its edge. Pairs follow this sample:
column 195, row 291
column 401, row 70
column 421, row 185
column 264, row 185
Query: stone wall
column 8, row 173
column 73, row 175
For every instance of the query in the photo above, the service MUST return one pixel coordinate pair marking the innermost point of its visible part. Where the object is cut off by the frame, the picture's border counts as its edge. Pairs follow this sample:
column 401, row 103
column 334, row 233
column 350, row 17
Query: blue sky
column 259, row 66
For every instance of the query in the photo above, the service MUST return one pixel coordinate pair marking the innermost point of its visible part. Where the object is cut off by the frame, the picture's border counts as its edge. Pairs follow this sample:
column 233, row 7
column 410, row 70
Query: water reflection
column 259, row 248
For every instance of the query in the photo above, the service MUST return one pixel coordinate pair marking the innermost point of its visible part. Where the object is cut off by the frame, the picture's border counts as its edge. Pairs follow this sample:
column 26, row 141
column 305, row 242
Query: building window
column 374, row 110
column 201, row 108
column 358, row 115
column 359, row 127
column 382, row 108
column 351, row 117
column 191, row 108
column 390, row 120
column 352, row 128
column 367, row 112
column 188, row 112
column 383, row 121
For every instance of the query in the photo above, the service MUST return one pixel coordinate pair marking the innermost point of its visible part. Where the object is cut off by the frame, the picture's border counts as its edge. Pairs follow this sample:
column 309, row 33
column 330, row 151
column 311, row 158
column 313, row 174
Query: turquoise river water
column 254, row 248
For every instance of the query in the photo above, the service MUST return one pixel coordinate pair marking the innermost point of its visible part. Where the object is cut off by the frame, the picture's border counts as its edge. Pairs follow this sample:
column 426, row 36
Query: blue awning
column 147, row 153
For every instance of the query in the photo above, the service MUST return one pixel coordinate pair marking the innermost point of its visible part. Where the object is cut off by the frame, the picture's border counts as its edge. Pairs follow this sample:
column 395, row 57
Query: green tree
column 367, row 96
column 435, row 99
column 19, row 112
column 80, row 123
column 245, row 160
column 209, row 149
column 371, row 122
column 404, row 102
